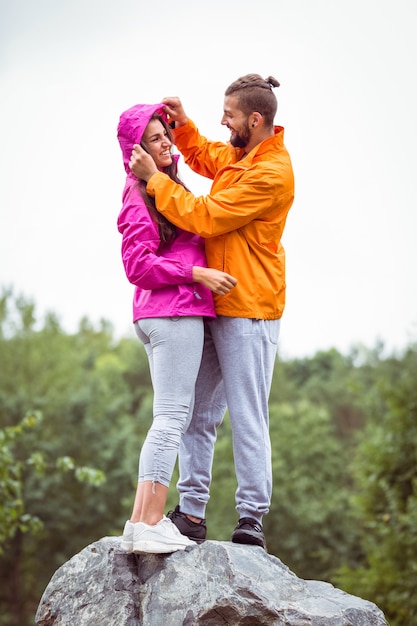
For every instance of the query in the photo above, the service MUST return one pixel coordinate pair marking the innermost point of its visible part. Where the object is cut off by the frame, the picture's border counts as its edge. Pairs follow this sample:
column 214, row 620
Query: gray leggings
column 174, row 346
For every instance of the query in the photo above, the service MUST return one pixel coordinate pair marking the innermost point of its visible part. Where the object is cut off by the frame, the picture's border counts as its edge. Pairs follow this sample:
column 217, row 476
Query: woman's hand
column 141, row 163
column 217, row 281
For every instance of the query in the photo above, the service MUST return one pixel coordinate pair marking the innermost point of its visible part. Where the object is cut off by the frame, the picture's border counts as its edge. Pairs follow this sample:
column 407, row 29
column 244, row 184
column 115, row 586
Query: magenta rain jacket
column 162, row 275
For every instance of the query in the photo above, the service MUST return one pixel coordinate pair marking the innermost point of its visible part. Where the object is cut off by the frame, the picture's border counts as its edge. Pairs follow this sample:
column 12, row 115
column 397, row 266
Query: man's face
column 237, row 122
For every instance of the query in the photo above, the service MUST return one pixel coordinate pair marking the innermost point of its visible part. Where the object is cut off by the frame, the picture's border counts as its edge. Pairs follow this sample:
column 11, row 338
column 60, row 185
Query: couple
column 209, row 276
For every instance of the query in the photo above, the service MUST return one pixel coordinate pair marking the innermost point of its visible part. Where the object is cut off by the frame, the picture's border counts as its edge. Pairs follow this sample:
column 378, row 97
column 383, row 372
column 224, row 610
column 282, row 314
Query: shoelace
column 169, row 523
column 250, row 525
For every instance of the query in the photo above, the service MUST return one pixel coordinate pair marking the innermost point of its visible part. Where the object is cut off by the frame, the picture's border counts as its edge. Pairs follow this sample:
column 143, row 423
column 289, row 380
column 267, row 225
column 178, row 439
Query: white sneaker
column 127, row 539
column 161, row 538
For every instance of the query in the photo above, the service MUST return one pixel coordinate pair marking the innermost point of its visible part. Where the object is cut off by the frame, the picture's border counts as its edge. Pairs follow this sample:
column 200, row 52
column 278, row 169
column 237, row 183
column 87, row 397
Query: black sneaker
column 249, row 531
column 196, row 531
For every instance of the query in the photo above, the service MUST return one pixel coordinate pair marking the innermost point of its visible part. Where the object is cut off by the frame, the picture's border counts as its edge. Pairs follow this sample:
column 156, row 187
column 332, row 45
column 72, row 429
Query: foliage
column 329, row 380
column 344, row 441
column 221, row 513
column 88, row 390
column 13, row 517
column 385, row 496
column 309, row 525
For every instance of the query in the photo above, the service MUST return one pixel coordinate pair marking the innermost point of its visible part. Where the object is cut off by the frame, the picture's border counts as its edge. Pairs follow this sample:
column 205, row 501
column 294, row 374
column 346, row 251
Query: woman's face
column 157, row 143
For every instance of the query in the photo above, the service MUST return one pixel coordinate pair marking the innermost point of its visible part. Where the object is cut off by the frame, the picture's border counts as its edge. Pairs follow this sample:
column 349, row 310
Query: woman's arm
column 143, row 265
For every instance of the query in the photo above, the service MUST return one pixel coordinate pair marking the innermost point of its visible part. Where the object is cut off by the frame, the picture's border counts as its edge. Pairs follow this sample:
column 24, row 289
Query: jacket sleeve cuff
column 181, row 130
column 189, row 274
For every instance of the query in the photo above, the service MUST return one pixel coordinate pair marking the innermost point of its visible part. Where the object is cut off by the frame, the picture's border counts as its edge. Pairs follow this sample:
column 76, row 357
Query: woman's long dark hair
column 167, row 230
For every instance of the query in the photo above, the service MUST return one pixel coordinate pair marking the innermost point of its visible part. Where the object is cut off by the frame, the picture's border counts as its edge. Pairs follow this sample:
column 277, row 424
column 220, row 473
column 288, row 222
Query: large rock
column 213, row 584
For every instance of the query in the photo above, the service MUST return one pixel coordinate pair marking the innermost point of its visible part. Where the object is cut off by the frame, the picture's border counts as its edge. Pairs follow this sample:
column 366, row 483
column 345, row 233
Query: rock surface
column 213, row 584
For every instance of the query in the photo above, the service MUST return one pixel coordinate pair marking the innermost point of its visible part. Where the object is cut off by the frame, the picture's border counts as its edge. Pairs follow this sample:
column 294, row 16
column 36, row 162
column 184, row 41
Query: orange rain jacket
column 242, row 219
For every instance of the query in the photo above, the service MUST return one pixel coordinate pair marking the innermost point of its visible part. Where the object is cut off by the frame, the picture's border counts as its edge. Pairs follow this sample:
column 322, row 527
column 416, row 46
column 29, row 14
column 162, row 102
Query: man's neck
column 257, row 138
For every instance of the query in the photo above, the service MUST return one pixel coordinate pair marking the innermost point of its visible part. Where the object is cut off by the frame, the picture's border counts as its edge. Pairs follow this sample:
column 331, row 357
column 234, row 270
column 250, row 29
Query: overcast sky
column 348, row 104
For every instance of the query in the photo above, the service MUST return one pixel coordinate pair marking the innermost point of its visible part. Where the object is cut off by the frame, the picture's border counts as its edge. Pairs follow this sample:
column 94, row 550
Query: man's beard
column 241, row 140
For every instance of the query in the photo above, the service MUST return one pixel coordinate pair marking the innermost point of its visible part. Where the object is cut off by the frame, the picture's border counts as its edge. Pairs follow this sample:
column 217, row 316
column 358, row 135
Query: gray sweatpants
column 236, row 372
column 174, row 347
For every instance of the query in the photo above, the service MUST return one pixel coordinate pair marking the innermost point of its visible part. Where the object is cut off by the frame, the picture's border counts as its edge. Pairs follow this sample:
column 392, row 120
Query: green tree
column 221, row 512
column 15, row 520
column 385, row 495
column 90, row 391
column 327, row 379
column 352, row 525
column 309, row 526
column 315, row 406
column 13, row 517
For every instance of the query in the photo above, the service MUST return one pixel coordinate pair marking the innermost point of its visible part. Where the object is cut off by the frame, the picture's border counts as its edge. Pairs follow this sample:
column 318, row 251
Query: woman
column 172, row 297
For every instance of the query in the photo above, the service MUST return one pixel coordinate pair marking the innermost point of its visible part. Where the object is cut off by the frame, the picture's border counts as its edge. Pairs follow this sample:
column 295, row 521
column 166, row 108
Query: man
column 242, row 220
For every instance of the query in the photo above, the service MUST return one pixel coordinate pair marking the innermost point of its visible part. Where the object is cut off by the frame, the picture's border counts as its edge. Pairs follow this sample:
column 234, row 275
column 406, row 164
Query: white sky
column 347, row 101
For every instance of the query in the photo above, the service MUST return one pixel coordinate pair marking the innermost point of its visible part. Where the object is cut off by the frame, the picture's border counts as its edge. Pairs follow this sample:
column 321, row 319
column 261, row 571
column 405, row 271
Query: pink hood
column 132, row 125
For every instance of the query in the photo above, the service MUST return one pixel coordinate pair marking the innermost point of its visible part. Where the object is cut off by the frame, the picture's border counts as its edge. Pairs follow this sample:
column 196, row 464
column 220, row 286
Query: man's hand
column 217, row 281
column 141, row 163
column 174, row 110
